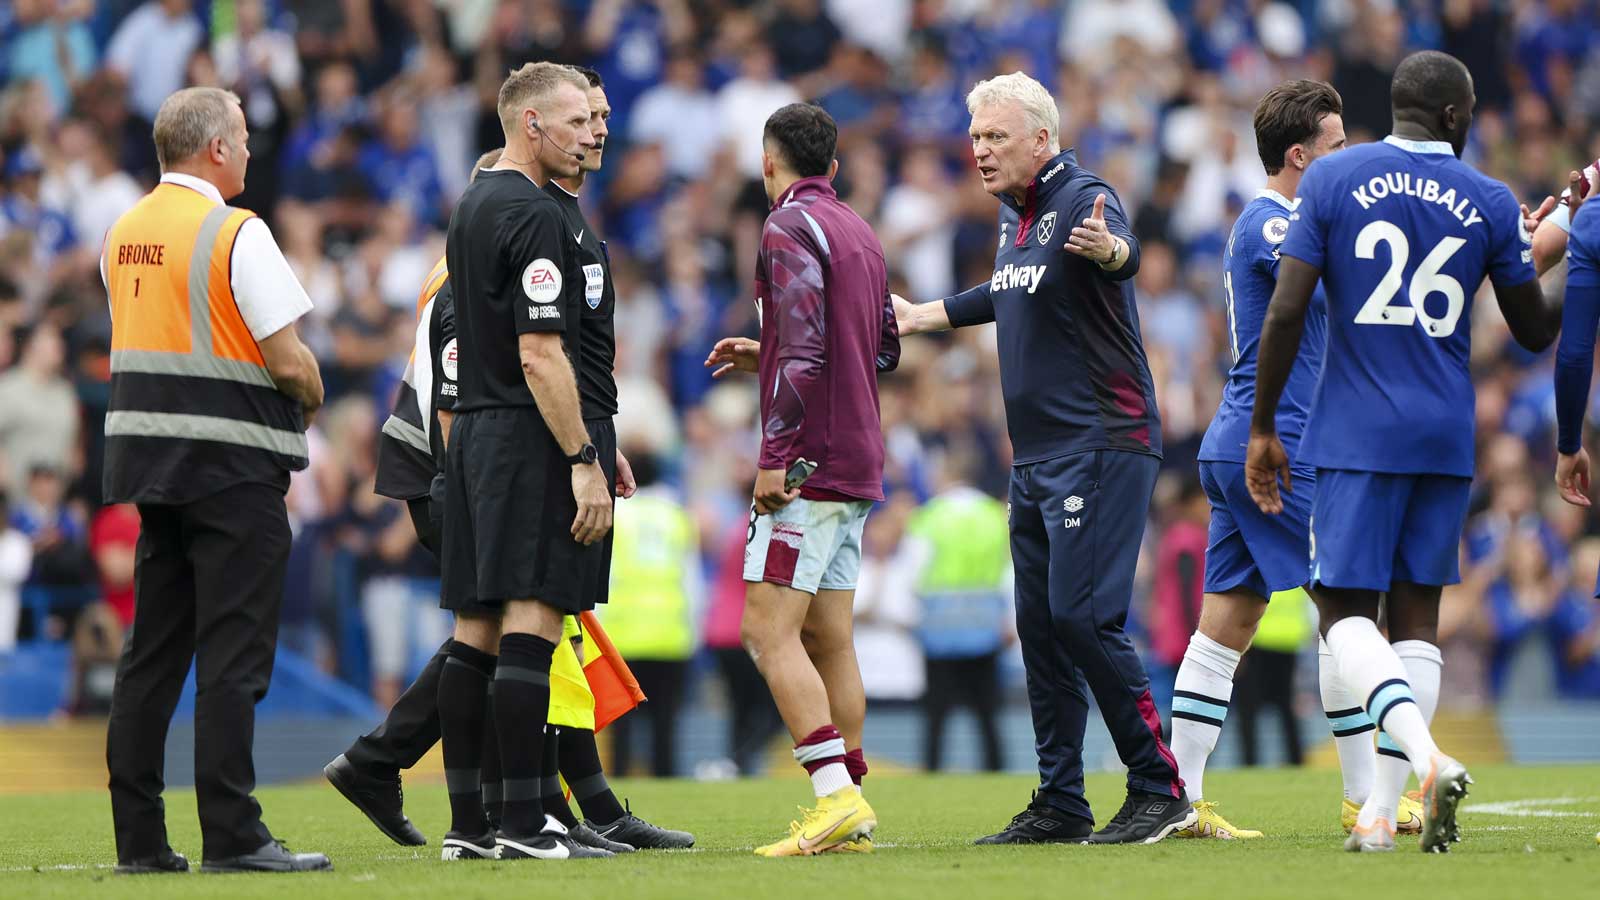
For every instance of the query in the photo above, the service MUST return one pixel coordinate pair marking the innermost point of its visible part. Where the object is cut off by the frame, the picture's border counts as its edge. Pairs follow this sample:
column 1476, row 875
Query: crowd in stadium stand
column 365, row 116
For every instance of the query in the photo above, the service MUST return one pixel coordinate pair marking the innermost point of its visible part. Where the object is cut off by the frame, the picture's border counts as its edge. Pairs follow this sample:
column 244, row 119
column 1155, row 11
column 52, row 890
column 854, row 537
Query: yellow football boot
column 863, row 844
column 1211, row 824
column 1409, row 815
column 840, row 817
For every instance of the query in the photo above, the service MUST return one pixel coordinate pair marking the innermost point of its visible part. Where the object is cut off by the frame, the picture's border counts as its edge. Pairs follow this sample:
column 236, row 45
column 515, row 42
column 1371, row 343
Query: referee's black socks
column 522, row 704
column 463, row 704
column 580, row 765
column 554, row 799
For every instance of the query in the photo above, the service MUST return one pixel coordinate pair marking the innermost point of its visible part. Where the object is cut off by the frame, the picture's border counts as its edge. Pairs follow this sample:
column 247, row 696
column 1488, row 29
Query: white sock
column 1371, row 669
column 1423, row 665
column 830, row 778
column 1199, row 707
column 1352, row 729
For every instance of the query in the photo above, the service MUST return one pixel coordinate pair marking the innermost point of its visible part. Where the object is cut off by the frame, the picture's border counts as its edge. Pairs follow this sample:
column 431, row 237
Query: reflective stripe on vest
column 201, row 361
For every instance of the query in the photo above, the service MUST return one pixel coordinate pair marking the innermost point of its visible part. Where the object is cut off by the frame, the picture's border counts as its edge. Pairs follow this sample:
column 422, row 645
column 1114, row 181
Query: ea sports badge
column 1047, row 227
column 447, row 360
column 541, row 281
column 1275, row 229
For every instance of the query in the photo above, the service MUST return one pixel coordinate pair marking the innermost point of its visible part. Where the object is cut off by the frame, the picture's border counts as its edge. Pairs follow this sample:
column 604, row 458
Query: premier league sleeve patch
column 1275, row 229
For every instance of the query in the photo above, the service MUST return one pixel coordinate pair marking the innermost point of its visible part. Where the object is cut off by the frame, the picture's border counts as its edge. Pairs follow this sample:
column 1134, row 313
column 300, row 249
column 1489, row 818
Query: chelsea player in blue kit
column 1250, row 555
column 1401, row 233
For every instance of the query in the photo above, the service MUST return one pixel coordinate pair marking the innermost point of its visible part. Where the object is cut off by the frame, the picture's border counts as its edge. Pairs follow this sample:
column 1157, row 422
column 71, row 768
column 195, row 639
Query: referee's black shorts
column 508, row 515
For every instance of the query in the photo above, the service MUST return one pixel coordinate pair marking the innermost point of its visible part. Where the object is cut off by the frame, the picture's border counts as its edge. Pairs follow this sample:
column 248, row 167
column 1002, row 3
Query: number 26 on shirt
column 1425, row 281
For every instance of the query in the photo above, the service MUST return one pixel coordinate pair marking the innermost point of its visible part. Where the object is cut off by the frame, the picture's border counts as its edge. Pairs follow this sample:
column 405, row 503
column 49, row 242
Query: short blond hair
column 189, row 119
column 533, row 85
column 1038, row 107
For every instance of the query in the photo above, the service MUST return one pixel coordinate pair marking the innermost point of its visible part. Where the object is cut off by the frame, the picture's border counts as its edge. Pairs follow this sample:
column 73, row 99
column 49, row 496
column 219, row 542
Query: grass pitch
column 1529, row 832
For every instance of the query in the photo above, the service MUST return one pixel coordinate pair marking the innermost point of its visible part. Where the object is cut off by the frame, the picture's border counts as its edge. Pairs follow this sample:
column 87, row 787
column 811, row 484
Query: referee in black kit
column 527, row 491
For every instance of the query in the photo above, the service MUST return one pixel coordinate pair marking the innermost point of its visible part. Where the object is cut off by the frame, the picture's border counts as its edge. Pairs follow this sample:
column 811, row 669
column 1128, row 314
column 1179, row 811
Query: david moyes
column 1081, row 410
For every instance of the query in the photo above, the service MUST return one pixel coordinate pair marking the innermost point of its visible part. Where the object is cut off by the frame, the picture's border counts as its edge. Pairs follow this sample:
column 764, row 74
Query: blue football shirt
column 1249, row 275
column 1404, row 234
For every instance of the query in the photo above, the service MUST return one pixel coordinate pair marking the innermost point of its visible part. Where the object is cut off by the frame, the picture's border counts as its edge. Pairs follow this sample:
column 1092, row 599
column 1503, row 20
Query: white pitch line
column 1538, row 808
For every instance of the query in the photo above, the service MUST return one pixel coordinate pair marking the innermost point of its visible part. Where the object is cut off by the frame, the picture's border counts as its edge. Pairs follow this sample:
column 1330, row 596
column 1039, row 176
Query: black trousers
column 972, row 682
column 209, row 584
column 1267, row 679
column 411, row 728
column 663, row 682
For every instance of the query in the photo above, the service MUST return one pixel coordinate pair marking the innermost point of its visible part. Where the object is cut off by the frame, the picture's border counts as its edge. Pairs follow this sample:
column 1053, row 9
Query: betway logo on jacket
column 1015, row 276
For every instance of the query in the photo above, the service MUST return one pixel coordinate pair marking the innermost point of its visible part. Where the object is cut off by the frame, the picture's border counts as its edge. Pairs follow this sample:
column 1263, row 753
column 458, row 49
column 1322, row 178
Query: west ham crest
column 1047, row 227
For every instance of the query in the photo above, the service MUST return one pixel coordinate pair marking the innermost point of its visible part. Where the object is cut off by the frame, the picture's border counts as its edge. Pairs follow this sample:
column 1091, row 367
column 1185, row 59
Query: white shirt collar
column 1439, row 147
column 198, row 185
column 1276, row 197
column 562, row 189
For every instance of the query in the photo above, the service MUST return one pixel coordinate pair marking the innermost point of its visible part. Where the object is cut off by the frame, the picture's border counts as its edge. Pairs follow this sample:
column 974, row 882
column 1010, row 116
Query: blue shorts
column 1370, row 529
column 1248, row 548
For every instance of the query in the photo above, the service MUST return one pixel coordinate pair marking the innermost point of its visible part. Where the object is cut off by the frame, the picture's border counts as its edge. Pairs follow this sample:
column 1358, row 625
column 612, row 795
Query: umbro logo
column 1157, row 809
column 1072, row 504
column 1046, row 824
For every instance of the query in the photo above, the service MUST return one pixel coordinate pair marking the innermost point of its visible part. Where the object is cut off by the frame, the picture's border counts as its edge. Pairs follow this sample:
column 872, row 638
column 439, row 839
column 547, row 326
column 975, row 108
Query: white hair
column 1038, row 107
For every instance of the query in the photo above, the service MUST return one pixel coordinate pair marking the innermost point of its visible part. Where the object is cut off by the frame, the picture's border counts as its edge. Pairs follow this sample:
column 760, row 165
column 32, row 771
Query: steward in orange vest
column 211, row 391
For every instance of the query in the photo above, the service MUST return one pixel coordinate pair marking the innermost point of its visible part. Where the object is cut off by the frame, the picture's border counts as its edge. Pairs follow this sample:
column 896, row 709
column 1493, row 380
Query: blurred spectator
column 655, row 582
column 1266, row 677
column 747, row 99
column 260, row 64
column 151, row 49
column 107, row 192
column 960, row 544
column 38, row 409
column 114, row 543
column 1097, row 30
column 680, row 116
column 1575, row 627
column 1179, row 588
column 56, row 529
column 917, row 230
column 24, row 217
column 16, row 561
column 51, row 43
column 1520, row 603
column 401, row 168
column 752, row 716
column 885, row 609
column 803, row 36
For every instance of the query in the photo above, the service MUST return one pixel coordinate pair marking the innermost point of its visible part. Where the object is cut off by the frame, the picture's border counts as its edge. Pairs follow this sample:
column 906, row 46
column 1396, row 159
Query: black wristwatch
column 585, row 455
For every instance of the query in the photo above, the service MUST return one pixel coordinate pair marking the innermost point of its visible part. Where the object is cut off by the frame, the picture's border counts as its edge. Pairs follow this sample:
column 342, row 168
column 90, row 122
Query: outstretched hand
column 1092, row 240
column 735, row 353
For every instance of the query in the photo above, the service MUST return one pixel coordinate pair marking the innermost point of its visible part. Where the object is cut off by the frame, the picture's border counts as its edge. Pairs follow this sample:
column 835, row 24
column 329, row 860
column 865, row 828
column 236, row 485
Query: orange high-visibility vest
column 193, row 407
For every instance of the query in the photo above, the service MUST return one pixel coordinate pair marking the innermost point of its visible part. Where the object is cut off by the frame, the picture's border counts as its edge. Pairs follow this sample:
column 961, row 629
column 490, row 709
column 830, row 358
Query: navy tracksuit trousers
column 1076, row 525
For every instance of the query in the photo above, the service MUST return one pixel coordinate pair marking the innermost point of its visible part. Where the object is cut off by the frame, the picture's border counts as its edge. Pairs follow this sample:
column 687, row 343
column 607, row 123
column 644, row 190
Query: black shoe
column 272, row 856
column 1040, row 823
column 381, row 799
column 551, row 843
column 1146, row 818
column 586, row 836
column 458, row 846
column 163, row 862
column 636, row 832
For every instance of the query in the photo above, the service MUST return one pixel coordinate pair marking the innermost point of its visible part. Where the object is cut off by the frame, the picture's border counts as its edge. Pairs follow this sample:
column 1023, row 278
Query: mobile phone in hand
column 798, row 473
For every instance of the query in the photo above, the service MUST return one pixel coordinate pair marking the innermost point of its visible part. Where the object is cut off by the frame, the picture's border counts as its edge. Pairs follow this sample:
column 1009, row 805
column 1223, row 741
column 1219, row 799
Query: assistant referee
column 211, row 393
